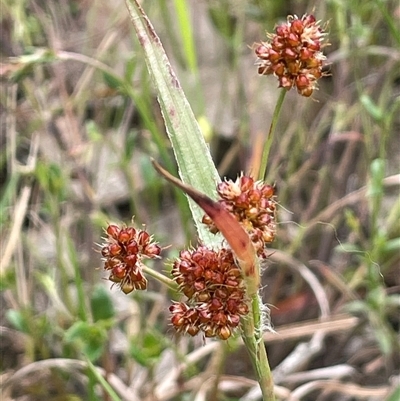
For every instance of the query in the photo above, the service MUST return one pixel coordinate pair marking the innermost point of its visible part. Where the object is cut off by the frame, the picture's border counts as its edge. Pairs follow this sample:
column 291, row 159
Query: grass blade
column 195, row 164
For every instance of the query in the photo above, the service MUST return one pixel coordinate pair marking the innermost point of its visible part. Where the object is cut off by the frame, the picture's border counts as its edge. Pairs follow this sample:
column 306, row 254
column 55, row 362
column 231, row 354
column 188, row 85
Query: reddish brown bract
column 253, row 205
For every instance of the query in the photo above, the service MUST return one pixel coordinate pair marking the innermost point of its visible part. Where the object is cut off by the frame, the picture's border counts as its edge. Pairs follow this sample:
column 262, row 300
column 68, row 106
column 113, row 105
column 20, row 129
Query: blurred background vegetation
column 79, row 123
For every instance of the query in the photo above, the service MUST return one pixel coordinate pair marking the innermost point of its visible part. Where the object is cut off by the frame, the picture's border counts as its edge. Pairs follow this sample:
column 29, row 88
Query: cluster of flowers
column 210, row 279
column 123, row 252
column 215, row 290
column 253, row 205
column 293, row 54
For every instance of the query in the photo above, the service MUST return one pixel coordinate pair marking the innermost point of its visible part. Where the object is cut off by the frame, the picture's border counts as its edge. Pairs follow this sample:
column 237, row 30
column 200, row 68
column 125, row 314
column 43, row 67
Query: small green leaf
column 378, row 171
column 89, row 338
column 392, row 245
column 384, row 339
column 147, row 349
column 373, row 110
column 77, row 331
column 93, row 131
column 101, row 304
column 376, row 299
column 130, row 67
column 7, row 280
column 112, row 81
column 18, row 320
column 94, row 349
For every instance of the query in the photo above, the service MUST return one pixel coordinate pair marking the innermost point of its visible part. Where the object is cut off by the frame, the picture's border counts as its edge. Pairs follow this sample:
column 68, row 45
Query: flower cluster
column 123, row 252
column 293, row 54
column 253, row 205
column 215, row 290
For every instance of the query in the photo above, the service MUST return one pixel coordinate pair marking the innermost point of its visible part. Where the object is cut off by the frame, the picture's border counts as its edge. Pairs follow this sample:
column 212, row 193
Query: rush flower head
column 215, row 290
column 123, row 251
column 253, row 205
column 293, row 54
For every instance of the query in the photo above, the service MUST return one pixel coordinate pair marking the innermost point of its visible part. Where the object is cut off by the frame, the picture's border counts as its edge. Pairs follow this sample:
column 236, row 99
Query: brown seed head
column 253, row 205
column 294, row 48
column 215, row 290
column 123, row 251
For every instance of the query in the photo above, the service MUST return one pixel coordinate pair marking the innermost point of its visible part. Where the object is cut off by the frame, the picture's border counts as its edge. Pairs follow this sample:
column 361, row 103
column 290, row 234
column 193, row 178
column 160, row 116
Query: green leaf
column 89, row 338
column 101, row 304
column 195, row 164
column 189, row 48
column 17, row 320
column 377, row 176
column 392, row 245
column 147, row 349
column 376, row 299
column 112, row 81
column 130, row 68
column 93, row 131
column 77, row 331
column 93, row 350
column 373, row 110
column 384, row 339
column 7, row 280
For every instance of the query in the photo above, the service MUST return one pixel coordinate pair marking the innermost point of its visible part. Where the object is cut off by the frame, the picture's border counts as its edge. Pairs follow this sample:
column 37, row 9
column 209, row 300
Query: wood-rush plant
column 220, row 278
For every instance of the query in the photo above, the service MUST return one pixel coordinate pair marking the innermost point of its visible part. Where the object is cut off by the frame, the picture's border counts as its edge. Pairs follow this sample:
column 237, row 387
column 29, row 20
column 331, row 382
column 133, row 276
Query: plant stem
column 268, row 142
column 103, row 382
column 252, row 338
column 171, row 284
column 252, row 326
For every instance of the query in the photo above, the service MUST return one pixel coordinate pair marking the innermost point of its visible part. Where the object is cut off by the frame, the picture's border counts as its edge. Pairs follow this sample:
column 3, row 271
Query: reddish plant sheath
column 230, row 228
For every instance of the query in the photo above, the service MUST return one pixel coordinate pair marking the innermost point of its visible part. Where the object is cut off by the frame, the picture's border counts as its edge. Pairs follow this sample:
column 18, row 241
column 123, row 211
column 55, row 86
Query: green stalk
column 389, row 20
column 189, row 48
column 252, row 338
column 171, row 284
column 82, row 311
column 103, row 382
column 268, row 142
